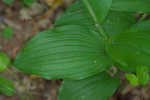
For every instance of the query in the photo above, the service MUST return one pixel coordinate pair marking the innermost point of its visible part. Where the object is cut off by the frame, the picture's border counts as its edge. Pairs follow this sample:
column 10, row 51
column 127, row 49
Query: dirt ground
column 26, row 23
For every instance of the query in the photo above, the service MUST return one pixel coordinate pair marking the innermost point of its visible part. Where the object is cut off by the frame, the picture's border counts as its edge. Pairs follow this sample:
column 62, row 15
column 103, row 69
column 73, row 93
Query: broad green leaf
column 97, row 9
column 6, row 87
column 139, row 26
column 71, row 51
column 77, row 45
column 139, row 6
column 99, row 87
column 130, row 49
column 132, row 79
column 142, row 73
column 4, row 61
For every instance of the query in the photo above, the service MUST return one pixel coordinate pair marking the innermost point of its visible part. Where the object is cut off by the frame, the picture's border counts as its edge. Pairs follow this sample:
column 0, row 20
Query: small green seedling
column 132, row 79
column 7, row 32
column 141, row 77
column 4, row 61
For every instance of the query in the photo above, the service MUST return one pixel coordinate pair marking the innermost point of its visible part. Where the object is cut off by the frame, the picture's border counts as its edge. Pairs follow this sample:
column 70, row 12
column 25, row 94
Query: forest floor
column 26, row 23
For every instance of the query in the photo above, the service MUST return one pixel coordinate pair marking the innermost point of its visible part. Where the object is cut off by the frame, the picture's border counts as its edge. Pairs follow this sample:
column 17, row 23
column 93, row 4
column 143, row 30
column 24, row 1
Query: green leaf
column 73, row 50
column 6, row 87
column 142, row 25
column 66, row 52
column 142, row 74
column 132, row 79
column 99, row 87
column 97, row 9
column 8, row 1
column 117, row 22
column 139, row 26
column 75, row 29
column 130, row 49
column 139, row 6
column 4, row 61
column 7, row 32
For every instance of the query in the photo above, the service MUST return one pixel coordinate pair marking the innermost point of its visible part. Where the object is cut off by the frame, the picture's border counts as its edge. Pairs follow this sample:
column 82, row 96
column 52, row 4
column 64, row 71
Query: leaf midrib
column 98, row 26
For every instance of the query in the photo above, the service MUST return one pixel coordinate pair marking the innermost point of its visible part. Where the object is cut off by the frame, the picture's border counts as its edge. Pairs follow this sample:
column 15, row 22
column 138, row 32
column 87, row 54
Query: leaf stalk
column 97, row 24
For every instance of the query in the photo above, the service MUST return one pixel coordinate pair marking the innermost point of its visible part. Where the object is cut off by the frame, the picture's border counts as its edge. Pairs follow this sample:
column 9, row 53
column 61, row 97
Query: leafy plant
column 141, row 77
column 132, row 79
column 87, row 39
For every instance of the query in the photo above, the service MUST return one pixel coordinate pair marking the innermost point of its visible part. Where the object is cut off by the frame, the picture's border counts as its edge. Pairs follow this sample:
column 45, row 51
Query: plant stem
column 20, row 82
column 98, row 26
column 100, row 29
